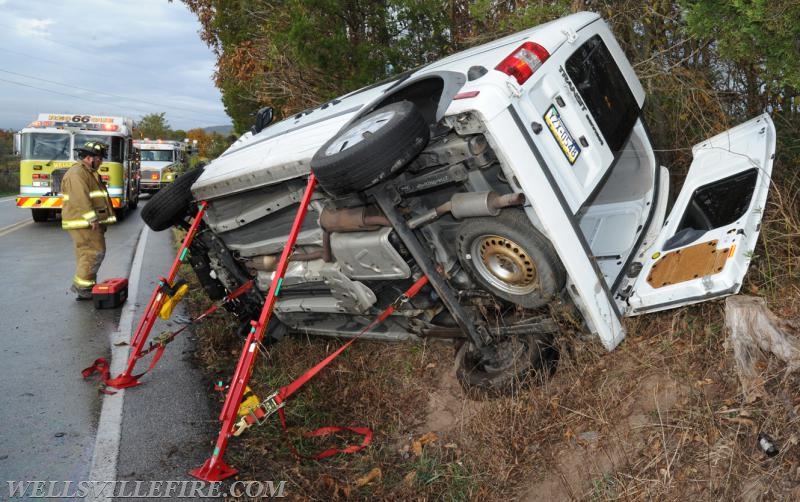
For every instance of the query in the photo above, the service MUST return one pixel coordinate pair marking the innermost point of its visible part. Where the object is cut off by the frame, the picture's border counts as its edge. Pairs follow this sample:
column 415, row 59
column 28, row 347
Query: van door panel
column 705, row 246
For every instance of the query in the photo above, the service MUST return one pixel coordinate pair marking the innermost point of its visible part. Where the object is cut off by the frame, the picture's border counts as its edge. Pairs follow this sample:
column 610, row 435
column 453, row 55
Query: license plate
column 562, row 135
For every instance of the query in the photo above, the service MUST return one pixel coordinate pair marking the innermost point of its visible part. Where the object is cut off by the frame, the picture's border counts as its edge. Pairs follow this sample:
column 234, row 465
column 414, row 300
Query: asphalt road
column 49, row 415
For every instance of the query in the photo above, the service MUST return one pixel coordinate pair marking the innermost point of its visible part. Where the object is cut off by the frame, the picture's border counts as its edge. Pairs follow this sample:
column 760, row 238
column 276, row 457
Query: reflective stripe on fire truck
column 38, row 201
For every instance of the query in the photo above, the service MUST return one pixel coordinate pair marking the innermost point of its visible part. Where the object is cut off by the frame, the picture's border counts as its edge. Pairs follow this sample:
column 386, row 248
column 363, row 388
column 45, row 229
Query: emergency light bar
column 40, row 124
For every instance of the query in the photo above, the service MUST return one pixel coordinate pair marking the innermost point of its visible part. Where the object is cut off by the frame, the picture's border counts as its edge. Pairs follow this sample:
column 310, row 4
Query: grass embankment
column 662, row 416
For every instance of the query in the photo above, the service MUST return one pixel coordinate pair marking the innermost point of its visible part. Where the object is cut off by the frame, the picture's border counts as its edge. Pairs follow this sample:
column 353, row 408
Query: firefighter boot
column 81, row 293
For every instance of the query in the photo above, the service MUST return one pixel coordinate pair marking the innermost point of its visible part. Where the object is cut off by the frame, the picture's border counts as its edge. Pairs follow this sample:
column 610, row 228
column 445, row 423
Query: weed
column 604, row 488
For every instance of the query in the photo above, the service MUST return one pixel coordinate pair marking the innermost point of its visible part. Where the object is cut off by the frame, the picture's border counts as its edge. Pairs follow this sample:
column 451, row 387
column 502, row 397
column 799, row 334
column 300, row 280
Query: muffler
column 470, row 205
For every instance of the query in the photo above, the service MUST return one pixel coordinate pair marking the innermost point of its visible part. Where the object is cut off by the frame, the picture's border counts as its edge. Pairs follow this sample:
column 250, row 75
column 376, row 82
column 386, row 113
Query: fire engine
column 162, row 161
column 46, row 147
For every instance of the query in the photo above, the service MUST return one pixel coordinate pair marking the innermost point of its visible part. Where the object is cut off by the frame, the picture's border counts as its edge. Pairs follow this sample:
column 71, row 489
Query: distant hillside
column 222, row 129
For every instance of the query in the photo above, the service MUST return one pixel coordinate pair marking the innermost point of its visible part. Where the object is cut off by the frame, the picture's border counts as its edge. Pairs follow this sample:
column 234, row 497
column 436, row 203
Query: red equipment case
column 110, row 293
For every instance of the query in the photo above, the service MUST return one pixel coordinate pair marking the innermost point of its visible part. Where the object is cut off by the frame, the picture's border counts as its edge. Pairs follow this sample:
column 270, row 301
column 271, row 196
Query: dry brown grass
column 659, row 417
column 662, row 417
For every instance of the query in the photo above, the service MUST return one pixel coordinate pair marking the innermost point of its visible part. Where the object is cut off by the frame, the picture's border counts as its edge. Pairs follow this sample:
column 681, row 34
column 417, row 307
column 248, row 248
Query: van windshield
column 604, row 90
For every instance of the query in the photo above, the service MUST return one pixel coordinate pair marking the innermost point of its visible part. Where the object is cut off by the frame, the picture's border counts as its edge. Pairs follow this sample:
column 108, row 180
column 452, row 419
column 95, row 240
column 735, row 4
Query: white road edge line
column 106, row 446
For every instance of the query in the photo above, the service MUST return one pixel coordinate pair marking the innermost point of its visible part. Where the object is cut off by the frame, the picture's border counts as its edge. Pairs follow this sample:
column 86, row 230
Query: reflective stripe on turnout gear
column 83, row 283
column 90, row 249
column 85, row 199
column 73, row 224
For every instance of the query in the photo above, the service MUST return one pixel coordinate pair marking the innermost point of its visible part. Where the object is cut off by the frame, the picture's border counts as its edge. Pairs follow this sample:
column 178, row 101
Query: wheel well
column 425, row 94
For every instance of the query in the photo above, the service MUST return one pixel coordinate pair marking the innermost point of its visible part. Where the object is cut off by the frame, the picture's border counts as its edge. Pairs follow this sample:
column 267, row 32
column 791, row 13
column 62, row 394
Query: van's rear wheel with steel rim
column 510, row 258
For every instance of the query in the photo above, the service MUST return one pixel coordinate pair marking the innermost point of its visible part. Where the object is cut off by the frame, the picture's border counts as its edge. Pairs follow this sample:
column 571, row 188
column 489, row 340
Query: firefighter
column 86, row 211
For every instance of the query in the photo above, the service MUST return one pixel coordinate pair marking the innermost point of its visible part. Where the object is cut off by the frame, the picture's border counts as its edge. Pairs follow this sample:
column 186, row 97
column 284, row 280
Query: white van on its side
column 512, row 174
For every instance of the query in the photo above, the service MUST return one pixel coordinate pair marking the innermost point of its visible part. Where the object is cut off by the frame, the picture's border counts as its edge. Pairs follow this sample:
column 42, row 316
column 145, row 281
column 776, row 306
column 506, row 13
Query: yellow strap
column 89, row 215
column 171, row 301
column 249, row 403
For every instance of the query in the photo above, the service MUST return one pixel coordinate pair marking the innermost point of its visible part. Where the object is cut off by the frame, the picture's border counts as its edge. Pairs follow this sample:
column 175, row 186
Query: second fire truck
column 162, row 161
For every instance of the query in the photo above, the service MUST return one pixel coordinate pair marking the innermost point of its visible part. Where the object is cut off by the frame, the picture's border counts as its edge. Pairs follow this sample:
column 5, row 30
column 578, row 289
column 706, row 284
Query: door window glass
column 604, row 90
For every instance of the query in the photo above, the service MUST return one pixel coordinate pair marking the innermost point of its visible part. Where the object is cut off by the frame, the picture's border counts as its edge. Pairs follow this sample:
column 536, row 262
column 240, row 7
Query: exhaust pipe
column 470, row 205
column 269, row 262
column 353, row 219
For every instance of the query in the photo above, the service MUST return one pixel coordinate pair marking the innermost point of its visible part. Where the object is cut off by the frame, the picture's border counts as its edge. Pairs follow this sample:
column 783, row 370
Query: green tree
column 758, row 43
column 294, row 54
column 9, row 163
column 154, row 126
column 6, row 142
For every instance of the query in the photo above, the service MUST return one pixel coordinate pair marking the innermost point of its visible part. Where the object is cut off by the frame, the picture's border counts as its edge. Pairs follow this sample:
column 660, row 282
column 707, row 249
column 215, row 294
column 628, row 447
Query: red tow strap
column 100, row 366
column 259, row 414
column 158, row 345
column 326, row 431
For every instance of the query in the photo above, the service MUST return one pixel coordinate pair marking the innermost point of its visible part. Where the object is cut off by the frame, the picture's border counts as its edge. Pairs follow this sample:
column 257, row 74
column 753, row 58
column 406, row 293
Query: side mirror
column 263, row 119
column 17, row 143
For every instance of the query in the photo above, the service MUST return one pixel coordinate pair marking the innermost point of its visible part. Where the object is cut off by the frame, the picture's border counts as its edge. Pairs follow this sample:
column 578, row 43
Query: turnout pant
column 90, row 249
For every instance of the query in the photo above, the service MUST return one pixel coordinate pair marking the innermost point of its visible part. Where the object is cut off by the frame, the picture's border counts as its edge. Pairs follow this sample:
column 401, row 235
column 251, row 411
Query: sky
column 105, row 57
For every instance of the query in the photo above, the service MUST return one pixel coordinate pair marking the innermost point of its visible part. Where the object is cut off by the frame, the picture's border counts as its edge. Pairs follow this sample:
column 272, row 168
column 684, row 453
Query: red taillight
column 105, row 177
column 41, row 176
column 110, row 127
column 524, row 61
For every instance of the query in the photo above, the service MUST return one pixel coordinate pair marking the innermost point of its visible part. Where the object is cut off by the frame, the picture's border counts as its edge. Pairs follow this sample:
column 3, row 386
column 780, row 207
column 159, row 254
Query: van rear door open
column 708, row 239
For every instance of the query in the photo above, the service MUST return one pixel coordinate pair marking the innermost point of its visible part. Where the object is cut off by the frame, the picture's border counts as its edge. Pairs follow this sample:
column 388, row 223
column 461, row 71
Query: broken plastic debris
column 767, row 445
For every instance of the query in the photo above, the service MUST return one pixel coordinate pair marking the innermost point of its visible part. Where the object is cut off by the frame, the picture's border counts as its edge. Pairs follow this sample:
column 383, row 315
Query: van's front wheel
column 171, row 203
column 507, row 365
